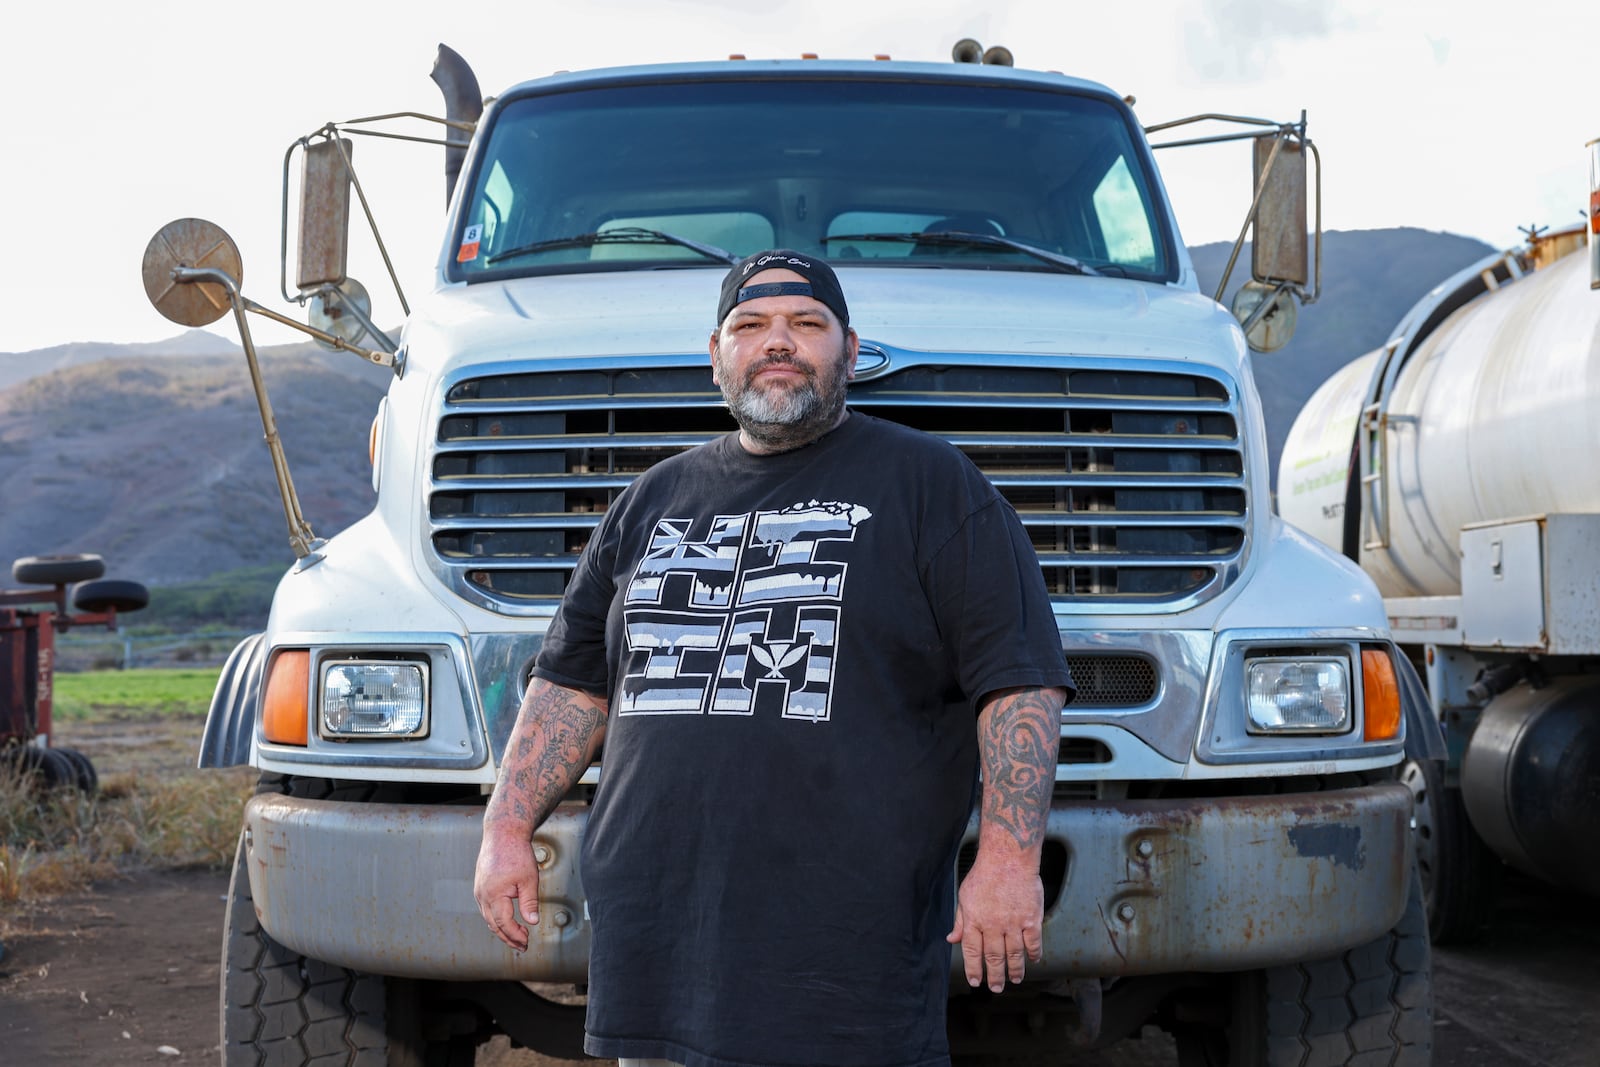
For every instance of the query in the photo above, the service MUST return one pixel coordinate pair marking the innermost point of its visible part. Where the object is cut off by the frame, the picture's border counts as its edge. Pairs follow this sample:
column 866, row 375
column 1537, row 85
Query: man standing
column 784, row 637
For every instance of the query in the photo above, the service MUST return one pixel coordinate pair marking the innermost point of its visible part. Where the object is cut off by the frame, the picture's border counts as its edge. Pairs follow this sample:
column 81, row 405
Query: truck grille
column 1129, row 481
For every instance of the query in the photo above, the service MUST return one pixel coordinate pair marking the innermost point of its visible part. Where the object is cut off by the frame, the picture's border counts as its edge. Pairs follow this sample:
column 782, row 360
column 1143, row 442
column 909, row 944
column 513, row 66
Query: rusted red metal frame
column 28, row 657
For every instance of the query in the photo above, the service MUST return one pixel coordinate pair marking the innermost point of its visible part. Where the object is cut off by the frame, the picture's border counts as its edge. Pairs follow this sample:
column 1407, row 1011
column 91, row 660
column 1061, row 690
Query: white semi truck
column 1228, row 849
column 1457, row 465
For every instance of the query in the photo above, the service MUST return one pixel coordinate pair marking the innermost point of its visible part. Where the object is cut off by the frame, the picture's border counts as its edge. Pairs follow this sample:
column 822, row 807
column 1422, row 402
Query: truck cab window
column 1124, row 224
column 722, row 229
column 848, row 223
column 800, row 163
column 495, row 204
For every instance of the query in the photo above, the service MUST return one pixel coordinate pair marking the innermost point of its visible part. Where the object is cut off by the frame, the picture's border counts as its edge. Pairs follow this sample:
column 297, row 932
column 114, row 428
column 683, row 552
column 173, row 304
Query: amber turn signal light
column 285, row 719
column 1382, row 691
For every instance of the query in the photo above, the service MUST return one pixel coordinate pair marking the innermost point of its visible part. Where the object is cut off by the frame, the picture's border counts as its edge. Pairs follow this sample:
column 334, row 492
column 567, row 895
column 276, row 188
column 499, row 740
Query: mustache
column 779, row 359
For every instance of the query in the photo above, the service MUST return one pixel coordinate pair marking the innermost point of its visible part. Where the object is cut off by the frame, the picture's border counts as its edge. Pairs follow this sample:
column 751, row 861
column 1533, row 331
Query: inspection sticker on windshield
column 469, row 244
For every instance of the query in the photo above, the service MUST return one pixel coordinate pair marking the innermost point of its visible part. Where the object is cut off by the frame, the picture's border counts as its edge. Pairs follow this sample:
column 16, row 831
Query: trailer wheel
column 21, row 760
column 48, row 769
column 54, row 769
column 57, row 570
column 1460, row 875
column 84, row 775
column 108, row 593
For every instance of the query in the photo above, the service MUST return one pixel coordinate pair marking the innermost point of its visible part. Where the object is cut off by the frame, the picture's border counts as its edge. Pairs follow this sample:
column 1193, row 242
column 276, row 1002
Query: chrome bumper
column 1152, row 886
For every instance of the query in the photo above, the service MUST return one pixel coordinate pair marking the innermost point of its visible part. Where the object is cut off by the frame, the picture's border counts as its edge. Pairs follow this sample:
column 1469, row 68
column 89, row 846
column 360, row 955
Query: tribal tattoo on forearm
column 1018, row 736
column 557, row 733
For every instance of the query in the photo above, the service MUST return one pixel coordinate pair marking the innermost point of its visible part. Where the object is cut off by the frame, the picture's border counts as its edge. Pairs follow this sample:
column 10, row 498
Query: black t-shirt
column 794, row 647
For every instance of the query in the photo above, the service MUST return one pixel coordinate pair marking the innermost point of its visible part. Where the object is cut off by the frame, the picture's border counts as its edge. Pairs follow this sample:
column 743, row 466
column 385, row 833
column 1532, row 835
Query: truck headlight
column 371, row 699
column 1297, row 695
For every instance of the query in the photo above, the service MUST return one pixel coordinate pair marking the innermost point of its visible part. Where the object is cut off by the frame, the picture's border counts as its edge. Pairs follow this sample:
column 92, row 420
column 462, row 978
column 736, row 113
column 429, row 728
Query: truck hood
column 661, row 312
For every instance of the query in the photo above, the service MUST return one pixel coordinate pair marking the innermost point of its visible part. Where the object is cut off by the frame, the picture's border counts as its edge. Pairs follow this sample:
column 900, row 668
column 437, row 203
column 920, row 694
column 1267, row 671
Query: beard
column 781, row 417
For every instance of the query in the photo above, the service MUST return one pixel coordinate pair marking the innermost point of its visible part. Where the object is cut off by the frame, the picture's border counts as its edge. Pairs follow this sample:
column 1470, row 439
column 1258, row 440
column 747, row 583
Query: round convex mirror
column 329, row 312
column 190, row 243
column 1272, row 330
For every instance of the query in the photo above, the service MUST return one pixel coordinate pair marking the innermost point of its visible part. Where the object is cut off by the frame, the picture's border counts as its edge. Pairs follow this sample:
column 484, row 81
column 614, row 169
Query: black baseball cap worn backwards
column 821, row 283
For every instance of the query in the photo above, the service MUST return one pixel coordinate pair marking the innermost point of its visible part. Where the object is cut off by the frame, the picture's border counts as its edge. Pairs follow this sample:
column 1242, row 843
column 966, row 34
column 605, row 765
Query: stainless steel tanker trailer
column 1457, row 465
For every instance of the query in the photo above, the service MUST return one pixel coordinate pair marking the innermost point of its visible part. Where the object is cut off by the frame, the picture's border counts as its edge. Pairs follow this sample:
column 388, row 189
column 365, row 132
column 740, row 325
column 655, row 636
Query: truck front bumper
column 1151, row 886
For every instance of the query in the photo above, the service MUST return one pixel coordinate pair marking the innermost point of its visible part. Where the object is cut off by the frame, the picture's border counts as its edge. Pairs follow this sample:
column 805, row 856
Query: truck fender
column 231, row 722
column 1424, row 734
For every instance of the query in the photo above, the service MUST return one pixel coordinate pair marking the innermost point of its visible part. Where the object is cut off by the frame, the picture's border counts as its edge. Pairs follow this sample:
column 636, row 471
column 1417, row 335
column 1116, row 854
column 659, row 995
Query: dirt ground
column 126, row 972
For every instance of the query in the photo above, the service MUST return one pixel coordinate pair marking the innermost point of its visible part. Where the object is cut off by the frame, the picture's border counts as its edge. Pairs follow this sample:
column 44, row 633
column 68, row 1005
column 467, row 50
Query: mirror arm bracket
column 283, row 223
column 302, row 540
column 375, row 356
column 1316, row 278
column 1250, row 216
column 330, row 132
column 1297, row 130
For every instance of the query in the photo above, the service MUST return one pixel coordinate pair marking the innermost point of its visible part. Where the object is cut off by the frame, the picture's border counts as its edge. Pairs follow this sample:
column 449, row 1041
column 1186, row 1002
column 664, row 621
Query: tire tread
column 1371, row 1006
column 281, row 1009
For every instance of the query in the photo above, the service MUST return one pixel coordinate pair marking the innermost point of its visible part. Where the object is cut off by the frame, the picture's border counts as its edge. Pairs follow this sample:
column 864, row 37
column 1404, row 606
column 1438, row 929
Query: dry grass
column 177, row 822
column 56, row 841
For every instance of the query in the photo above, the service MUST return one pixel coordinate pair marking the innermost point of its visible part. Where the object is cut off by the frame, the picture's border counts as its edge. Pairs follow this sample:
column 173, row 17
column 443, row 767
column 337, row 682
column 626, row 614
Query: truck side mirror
column 1278, row 245
column 190, row 244
column 1276, row 225
column 324, row 214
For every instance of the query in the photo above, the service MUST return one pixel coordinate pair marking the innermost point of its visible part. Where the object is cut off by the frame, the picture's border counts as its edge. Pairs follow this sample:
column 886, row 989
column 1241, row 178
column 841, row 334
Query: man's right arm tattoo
column 557, row 733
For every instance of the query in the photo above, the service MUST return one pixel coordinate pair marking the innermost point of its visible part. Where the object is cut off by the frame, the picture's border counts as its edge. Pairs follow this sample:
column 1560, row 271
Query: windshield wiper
column 622, row 235
column 962, row 239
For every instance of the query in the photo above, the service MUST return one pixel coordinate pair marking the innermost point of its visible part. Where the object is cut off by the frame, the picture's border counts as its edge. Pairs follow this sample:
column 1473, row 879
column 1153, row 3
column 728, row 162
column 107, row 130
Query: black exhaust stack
column 463, row 102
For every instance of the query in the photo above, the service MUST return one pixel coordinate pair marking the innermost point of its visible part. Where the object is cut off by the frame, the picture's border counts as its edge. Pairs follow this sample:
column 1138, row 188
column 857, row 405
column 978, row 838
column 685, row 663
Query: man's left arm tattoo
column 1019, row 734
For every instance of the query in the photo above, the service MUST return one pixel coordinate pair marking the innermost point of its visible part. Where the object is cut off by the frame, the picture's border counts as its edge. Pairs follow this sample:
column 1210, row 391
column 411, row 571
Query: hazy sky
column 1468, row 116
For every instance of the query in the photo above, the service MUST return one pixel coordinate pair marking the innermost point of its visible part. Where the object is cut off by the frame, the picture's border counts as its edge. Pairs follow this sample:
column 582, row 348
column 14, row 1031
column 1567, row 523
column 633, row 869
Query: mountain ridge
column 151, row 454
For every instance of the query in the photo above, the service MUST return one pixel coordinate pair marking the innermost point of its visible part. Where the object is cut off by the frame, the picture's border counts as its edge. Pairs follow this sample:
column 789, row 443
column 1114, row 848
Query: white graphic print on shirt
column 744, row 622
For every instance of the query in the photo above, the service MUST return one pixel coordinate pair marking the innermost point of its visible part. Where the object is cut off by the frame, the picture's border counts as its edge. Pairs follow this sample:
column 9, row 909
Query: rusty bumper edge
column 1160, row 886
column 1152, row 886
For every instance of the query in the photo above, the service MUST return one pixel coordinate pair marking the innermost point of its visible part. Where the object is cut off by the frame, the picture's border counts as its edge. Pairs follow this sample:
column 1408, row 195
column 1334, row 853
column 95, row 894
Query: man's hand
column 557, row 733
column 1000, row 908
column 999, row 913
column 506, row 877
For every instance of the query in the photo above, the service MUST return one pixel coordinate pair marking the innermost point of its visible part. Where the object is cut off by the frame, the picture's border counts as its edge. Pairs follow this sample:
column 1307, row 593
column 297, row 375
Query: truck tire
column 1371, row 1005
column 1460, row 875
column 281, row 1009
column 57, row 570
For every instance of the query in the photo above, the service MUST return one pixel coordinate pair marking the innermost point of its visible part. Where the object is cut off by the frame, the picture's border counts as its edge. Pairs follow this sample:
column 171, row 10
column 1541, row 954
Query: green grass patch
column 91, row 695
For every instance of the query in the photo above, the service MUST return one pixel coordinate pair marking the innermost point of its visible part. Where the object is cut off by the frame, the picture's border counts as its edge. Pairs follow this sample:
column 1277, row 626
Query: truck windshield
column 692, row 174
